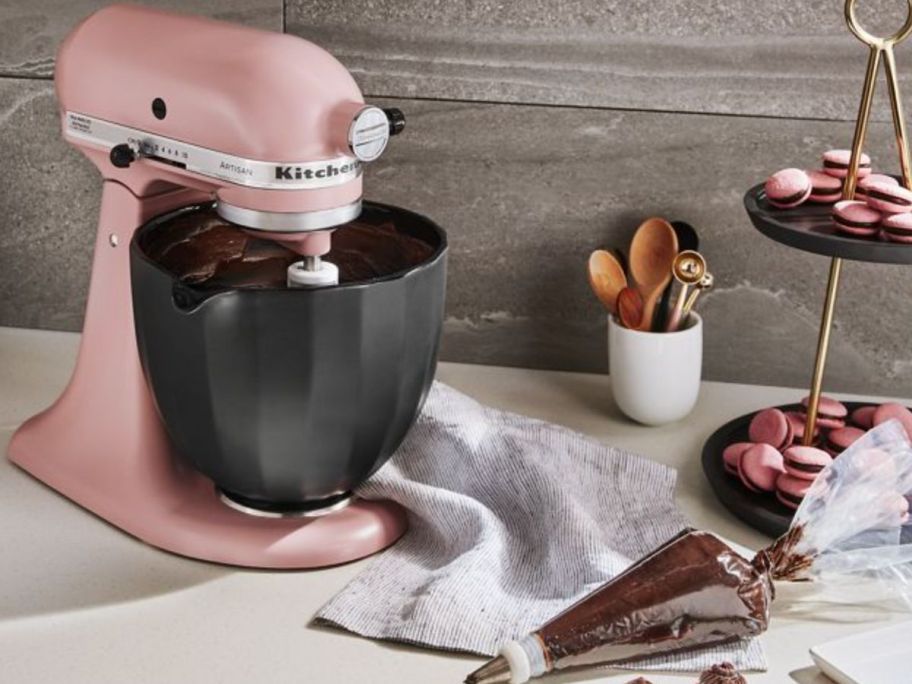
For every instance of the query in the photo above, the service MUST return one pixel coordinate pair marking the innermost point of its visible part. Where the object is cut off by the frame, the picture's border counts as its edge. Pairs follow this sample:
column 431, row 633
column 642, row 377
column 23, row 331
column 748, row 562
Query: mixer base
column 186, row 516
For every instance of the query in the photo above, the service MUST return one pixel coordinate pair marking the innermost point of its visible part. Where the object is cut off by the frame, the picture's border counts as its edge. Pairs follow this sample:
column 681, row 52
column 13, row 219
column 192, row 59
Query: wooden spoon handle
column 649, row 305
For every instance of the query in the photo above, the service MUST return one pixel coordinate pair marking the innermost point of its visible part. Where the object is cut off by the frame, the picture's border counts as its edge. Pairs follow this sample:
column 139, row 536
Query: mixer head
column 272, row 125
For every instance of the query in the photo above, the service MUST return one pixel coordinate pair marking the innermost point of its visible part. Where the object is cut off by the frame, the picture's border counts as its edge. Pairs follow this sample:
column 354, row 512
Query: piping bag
column 696, row 591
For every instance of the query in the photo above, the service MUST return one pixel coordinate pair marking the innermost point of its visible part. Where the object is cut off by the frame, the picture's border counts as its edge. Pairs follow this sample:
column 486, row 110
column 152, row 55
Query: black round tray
column 809, row 227
column 762, row 511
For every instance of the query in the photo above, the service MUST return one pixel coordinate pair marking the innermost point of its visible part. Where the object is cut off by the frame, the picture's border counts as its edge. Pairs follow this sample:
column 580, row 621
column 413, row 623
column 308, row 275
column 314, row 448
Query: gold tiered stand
column 809, row 227
column 880, row 49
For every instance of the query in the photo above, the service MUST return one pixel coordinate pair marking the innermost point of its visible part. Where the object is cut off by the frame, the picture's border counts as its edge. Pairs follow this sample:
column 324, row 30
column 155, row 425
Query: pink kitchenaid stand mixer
column 174, row 110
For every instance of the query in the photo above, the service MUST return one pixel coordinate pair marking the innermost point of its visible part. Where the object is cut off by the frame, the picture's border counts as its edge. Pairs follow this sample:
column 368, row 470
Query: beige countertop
column 82, row 602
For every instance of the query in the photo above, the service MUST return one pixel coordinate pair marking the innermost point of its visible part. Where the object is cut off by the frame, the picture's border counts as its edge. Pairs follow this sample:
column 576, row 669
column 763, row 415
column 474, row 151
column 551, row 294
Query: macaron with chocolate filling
column 889, row 199
column 831, row 414
column 897, row 228
column 861, row 188
column 863, row 417
column 732, row 454
column 791, row 490
column 840, row 439
column 759, row 467
column 787, row 188
column 825, row 189
column 770, row 426
column 886, row 412
column 856, row 218
column 836, row 163
column 805, row 462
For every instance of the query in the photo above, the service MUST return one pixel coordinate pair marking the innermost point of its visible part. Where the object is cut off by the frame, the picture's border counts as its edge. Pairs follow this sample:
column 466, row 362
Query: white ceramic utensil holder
column 655, row 376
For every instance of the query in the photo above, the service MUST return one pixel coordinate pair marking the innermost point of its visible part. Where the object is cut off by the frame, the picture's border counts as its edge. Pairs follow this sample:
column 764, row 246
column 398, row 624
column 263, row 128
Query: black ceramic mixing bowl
column 289, row 399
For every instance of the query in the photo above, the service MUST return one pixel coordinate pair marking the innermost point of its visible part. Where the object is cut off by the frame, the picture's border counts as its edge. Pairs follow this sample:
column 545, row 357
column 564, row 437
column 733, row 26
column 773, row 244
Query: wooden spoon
column 630, row 308
column 652, row 254
column 607, row 278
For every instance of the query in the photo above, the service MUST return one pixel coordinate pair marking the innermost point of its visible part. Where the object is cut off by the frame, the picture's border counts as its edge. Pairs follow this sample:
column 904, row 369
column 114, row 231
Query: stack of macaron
column 775, row 461
column 882, row 207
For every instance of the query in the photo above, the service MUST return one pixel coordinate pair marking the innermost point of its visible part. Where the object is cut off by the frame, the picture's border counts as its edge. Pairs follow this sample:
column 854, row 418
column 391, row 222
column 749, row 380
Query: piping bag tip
column 495, row 671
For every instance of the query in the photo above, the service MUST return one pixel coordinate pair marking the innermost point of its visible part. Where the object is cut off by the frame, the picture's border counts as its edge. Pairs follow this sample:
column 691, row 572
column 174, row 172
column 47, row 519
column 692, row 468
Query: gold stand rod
column 899, row 119
column 848, row 192
column 861, row 123
column 823, row 345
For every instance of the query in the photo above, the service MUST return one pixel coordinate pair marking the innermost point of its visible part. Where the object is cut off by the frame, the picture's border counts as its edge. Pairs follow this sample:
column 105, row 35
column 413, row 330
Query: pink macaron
column 759, row 467
column 805, row 462
column 825, row 189
column 889, row 199
column 897, row 228
column 861, row 189
column 732, row 454
column 788, row 188
column 770, row 426
column 831, row 414
column 836, row 163
column 863, row 417
column 840, row 439
column 791, row 490
column 886, row 412
column 856, row 218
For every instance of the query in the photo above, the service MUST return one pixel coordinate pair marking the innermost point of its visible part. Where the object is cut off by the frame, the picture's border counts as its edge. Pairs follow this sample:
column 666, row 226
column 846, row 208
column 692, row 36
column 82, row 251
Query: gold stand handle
column 878, row 47
column 899, row 119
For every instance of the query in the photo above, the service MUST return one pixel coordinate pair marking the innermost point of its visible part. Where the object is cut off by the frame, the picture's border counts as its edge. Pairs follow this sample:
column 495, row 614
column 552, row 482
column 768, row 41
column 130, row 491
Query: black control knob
column 396, row 119
column 122, row 155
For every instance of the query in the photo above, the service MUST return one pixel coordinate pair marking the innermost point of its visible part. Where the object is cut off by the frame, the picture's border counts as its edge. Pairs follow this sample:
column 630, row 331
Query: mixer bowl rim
column 210, row 292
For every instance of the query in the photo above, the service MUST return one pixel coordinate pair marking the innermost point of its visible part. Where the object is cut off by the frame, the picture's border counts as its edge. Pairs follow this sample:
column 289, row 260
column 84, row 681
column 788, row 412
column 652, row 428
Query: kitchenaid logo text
column 328, row 171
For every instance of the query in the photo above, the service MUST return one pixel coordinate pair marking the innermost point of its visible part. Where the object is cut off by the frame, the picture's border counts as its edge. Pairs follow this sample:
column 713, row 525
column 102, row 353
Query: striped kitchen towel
column 511, row 520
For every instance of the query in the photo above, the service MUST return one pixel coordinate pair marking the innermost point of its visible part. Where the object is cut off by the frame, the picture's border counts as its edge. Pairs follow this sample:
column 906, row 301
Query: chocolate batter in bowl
column 288, row 399
column 201, row 249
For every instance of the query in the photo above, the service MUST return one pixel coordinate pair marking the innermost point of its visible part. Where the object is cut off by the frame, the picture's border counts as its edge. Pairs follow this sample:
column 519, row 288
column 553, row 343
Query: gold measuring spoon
column 706, row 283
column 688, row 268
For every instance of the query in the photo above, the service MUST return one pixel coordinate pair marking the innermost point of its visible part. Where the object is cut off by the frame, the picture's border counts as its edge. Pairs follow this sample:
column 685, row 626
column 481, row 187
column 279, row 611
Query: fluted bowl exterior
column 291, row 397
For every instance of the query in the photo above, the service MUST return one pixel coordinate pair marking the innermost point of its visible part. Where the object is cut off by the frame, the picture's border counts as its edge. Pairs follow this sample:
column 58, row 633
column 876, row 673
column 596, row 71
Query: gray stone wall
column 537, row 131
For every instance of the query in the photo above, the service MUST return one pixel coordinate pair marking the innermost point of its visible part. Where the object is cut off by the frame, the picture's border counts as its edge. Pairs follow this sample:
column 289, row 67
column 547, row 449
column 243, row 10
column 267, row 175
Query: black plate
column 762, row 511
column 809, row 227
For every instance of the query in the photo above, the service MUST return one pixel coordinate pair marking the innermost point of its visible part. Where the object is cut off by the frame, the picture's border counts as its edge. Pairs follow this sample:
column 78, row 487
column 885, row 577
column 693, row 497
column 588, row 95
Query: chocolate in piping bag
column 695, row 591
